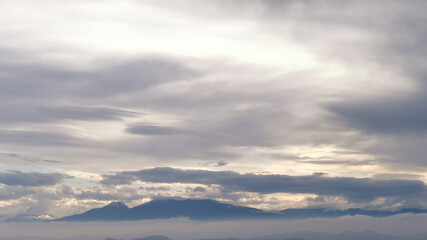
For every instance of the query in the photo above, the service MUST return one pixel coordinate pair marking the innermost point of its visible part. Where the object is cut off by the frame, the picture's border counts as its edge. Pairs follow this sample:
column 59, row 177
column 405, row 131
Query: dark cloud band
column 18, row 178
column 356, row 189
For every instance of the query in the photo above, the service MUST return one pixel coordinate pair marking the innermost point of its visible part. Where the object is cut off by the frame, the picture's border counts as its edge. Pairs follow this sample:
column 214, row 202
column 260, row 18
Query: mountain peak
column 116, row 205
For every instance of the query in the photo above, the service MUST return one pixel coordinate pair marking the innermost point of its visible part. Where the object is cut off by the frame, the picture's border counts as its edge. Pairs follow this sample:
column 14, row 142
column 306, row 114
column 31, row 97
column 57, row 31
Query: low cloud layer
column 18, row 178
column 355, row 189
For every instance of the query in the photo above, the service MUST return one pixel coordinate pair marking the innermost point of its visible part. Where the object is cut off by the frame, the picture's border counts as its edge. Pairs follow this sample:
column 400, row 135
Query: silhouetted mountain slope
column 195, row 209
column 112, row 212
column 203, row 209
column 199, row 209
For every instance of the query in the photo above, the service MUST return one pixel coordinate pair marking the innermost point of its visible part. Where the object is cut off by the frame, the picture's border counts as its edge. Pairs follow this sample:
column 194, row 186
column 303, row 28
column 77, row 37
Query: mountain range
column 205, row 209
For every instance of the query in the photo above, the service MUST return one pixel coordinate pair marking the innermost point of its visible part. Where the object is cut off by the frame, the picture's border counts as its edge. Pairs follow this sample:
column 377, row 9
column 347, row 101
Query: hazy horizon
column 184, row 229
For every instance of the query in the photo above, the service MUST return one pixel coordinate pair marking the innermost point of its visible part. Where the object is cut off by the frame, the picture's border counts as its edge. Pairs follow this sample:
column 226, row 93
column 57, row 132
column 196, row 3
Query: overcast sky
column 269, row 104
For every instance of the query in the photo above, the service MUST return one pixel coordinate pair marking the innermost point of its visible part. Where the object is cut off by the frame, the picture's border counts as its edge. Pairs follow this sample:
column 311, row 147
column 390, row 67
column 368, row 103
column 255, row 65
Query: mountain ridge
column 207, row 209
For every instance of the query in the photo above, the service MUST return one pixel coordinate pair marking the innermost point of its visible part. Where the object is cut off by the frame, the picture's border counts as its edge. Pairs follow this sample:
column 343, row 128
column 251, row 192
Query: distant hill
column 204, row 209
column 115, row 211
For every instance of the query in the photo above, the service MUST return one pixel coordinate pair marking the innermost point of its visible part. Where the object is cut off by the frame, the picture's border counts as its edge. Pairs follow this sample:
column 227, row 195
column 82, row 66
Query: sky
column 268, row 104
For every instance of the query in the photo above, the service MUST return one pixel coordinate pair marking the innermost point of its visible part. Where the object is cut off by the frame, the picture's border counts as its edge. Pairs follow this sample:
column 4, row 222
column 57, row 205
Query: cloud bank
column 355, row 189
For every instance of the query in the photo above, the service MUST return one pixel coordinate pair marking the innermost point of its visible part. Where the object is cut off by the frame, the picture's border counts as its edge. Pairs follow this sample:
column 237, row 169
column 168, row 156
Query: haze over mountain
column 205, row 209
column 362, row 235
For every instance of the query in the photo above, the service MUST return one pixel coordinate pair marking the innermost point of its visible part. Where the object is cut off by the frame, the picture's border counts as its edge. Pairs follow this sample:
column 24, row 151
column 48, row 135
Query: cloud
column 18, row 178
column 355, row 189
column 342, row 162
column 136, row 74
column 14, row 192
column 219, row 163
column 352, row 79
column 46, row 80
column 99, row 195
column 38, row 138
column 391, row 115
column 38, row 91
column 143, row 129
column 28, row 158
column 47, row 114
column 199, row 189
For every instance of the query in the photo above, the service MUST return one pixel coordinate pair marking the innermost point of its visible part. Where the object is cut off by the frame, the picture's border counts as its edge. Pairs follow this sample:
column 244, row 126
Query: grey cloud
column 44, row 81
column 395, row 45
column 143, row 129
column 28, row 158
column 342, row 162
column 154, row 189
column 399, row 124
column 89, row 193
column 38, row 138
column 385, row 116
column 37, row 82
column 326, row 160
column 47, row 114
column 398, row 21
column 254, row 127
column 103, row 196
column 176, row 147
column 51, row 161
column 405, row 151
column 111, row 193
column 212, row 122
column 33, row 90
column 386, row 40
column 199, row 189
column 219, row 163
column 15, row 192
column 13, row 178
column 132, row 75
column 211, row 132
column 387, row 176
column 87, row 113
column 355, row 189
column 119, row 179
